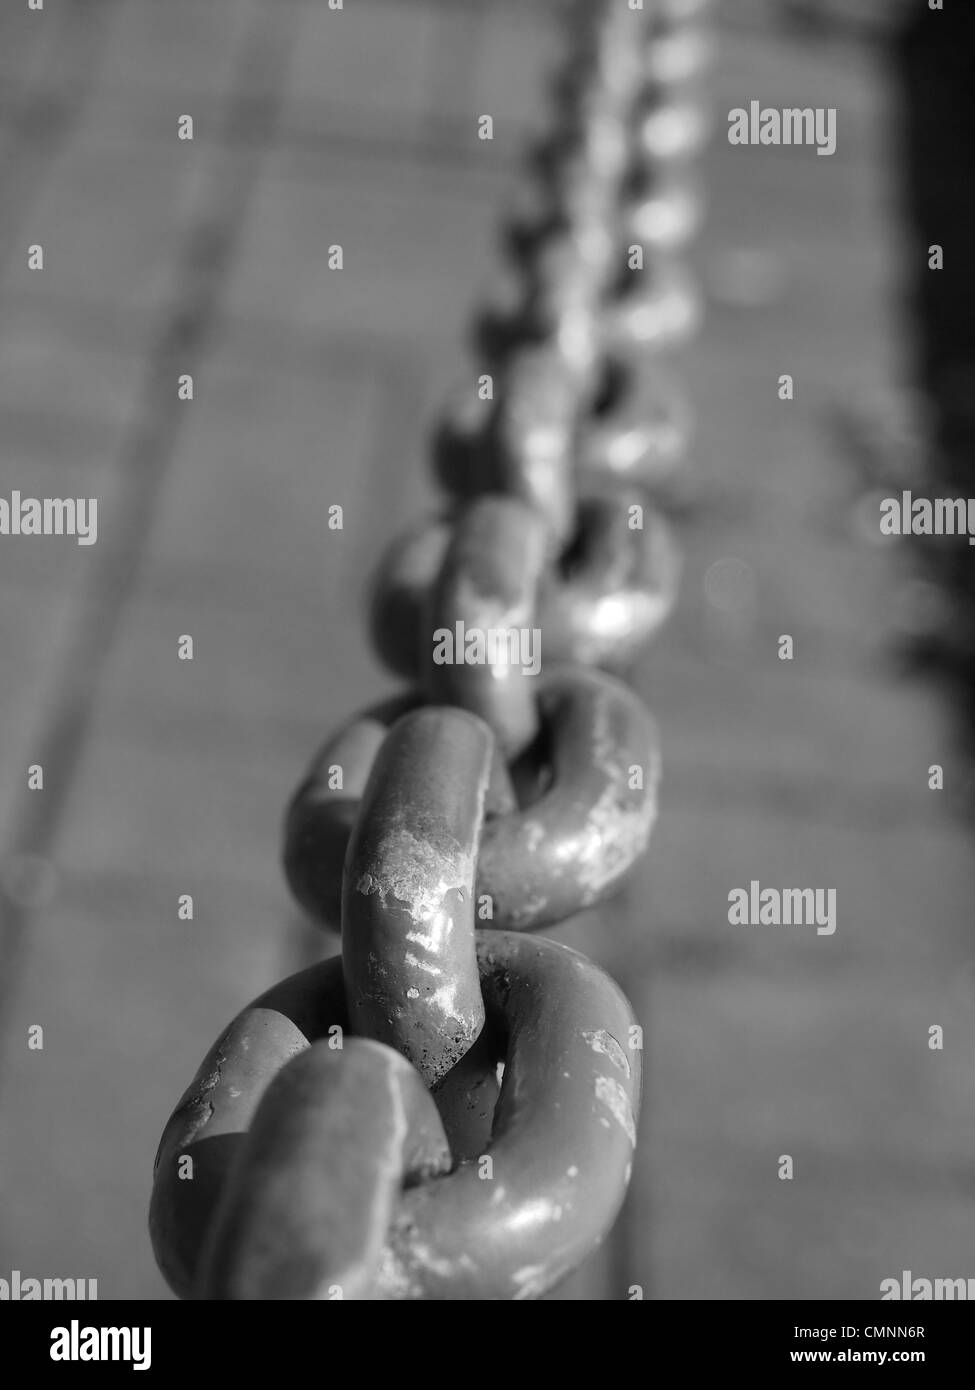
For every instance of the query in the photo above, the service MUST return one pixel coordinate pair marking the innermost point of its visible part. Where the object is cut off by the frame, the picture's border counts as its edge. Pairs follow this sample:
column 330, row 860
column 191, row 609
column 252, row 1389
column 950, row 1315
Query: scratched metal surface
column 165, row 777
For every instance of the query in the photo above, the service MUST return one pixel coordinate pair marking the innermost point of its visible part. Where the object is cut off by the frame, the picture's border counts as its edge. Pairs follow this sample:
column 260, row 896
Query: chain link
column 449, row 1108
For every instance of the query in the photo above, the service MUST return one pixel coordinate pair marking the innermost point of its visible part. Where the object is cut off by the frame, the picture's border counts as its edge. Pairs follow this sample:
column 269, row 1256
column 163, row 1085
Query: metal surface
column 562, row 1144
column 572, row 845
column 660, row 311
column 333, row 1179
column 589, row 803
column 616, row 586
column 323, row 810
column 489, row 582
column 209, row 1123
column 641, row 432
column 408, row 890
column 446, row 1112
column 280, row 1232
column 608, row 593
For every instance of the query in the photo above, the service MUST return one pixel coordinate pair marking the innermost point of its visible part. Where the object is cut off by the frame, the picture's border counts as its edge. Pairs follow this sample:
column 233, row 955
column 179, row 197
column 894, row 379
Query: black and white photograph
column 487, row 670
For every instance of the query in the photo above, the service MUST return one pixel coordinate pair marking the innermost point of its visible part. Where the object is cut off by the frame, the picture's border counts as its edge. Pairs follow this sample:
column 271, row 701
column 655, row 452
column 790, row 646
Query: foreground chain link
column 449, row 1108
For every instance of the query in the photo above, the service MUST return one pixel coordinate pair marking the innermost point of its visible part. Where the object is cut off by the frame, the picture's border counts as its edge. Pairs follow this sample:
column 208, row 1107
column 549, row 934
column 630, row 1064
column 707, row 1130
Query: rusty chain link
column 449, row 1108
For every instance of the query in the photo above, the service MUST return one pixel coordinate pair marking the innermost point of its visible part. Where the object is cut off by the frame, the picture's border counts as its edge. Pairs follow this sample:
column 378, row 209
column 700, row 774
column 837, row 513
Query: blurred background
column 163, row 777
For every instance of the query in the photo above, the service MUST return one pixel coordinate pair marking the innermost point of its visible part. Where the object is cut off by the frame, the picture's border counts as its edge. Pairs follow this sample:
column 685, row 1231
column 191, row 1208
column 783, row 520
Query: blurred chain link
column 449, row 1108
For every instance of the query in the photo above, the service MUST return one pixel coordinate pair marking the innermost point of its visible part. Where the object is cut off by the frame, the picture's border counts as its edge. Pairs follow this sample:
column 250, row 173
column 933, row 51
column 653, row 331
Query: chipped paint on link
column 610, row 1093
column 601, row 1041
column 423, row 877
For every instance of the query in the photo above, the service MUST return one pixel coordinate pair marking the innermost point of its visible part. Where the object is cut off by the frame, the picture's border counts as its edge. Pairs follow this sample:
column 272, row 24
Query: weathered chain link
column 449, row 1108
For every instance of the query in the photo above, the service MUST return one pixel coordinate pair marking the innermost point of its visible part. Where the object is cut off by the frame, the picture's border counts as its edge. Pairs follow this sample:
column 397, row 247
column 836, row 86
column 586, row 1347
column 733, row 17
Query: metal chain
column 449, row 1108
